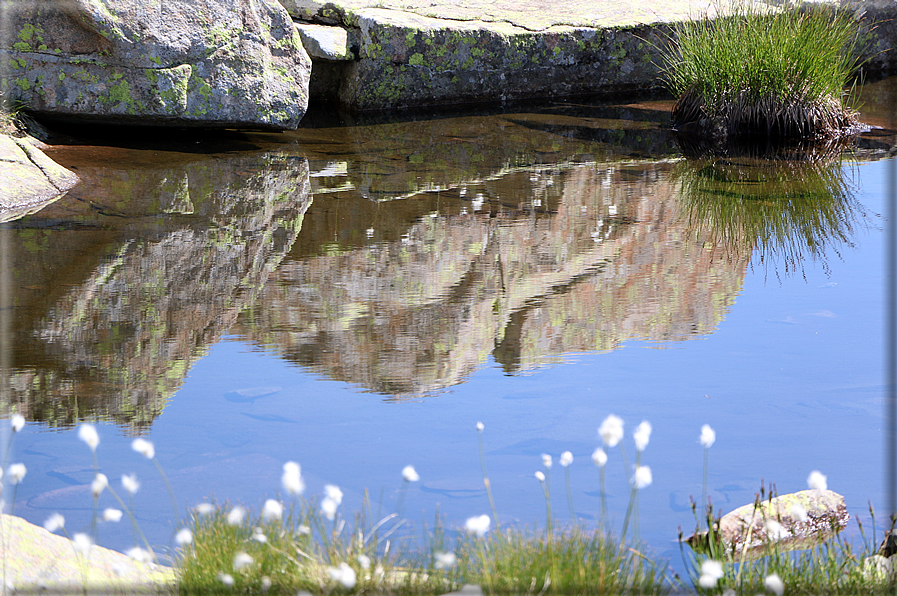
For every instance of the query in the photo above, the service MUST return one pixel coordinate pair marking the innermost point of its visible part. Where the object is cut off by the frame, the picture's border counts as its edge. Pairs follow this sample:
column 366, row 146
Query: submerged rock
column 221, row 63
column 787, row 522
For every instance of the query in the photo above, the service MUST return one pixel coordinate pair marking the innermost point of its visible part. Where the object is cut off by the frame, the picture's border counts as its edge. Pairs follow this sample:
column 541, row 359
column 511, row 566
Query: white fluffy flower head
column 54, row 522
column 112, row 515
column 642, row 477
column 332, row 492
column 205, row 509
column 17, row 422
column 272, row 510
column 566, row 458
column 799, row 513
column 99, row 484
column 88, row 434
column 774, row 584
column 235, row 516
column 708, row 436
column 144, row 448
column 445, row 560
column 410, row 474
column 184, row 536
column 241, row 561
column 478, row 525
column 130, row 483
column 599, row 457
column 343, row 575
column 817, row 480
column 540, row 476
column 480, row 427
column 711, row 572
column 611, row 430
column 292, row 478
column 642, row 435
column 329, row 507
column 17, row 472
column 546, row 461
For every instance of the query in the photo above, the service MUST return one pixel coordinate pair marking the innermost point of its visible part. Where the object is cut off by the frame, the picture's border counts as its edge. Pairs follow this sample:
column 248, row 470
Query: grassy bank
column 298, row 544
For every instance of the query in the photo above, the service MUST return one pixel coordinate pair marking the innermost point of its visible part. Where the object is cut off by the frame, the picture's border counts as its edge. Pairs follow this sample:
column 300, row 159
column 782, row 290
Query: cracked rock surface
column 33, row 180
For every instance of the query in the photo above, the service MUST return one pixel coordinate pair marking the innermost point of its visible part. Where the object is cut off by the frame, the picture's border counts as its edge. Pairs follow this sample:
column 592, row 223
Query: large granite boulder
column 221, row 63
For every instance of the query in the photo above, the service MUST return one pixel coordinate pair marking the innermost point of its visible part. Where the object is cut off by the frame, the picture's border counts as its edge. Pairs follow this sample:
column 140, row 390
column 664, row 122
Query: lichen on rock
column 217, row 63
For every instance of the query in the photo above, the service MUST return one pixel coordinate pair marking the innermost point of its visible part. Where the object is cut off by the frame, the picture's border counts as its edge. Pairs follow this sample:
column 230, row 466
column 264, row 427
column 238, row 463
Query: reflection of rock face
column 182, row 251
column 584, row 258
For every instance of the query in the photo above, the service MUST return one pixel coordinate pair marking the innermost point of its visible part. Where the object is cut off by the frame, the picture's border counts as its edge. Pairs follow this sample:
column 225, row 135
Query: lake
column 356, row 295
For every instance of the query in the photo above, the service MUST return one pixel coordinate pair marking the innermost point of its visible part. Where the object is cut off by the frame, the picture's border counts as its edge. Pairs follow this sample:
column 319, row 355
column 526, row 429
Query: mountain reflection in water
column 394, row 256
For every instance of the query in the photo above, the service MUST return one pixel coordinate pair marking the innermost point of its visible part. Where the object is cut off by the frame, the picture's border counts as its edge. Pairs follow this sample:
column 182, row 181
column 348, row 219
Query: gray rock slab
column 421, row 53
column 31, row 180
column 325, row 42
column 213, row 63
column 37, row 560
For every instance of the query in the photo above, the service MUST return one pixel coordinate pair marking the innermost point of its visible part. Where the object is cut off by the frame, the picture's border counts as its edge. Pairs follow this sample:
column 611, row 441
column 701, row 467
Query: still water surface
column 357, row 298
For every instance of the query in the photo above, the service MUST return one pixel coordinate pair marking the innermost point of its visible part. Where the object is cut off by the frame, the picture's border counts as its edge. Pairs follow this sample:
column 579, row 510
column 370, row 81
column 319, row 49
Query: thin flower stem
column 133, row 518
column 174, row 502
column 704, row 484
column 400, row 502
column 486, row 479
column 633, row 494
column 569, row 491
column 603, row 497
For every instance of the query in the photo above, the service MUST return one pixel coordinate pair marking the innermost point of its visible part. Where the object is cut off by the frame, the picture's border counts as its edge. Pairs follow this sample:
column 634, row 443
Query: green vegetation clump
column 775, row 72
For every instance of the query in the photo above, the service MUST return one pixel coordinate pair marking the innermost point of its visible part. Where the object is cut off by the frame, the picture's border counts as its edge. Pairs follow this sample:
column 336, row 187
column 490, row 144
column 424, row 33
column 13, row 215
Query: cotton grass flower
column 410, row 474
column 144, row 448
column 17, row 422
column 774, row 584
column 817, row 480
column 611, row 430
column 478, row 525
column 88, row 434
column 642, row 477
column 130, row 483
column 332, row 492
column 566, row 459
column 799, row 513
column 711, row 573
column 54, row 522
column 540, row 476
column 184, row 536
column 642, row 435
column 242, row 561
column 343, row 575
column 292, row 478
column 205, row 509
column 235, row 516
column 364, row 561
column 81, row 542
column 708, row 436
column 480, row 426
column 775, row 530
column 259, row 536
column 546, row 461
column 445, row 560
column 112, row 515
column 272, row 511
column 226, row 579
column 99, row 484
column 16, row 473
column 329, row 507
column 599, row 457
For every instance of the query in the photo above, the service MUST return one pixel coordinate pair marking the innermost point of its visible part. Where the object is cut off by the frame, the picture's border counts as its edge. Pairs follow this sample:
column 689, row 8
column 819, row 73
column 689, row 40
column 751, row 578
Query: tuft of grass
column 570, row 560
column 778, row 72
